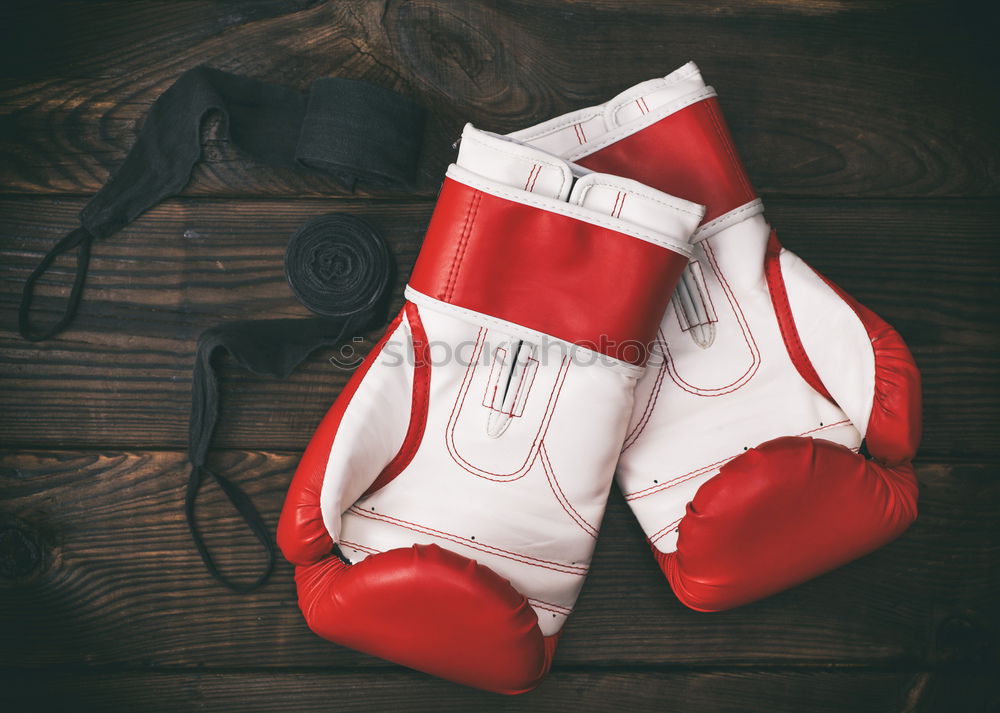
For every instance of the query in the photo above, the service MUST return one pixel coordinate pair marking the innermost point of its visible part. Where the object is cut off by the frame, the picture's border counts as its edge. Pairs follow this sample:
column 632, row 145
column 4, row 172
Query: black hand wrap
column 339, row 267
column 355, row 131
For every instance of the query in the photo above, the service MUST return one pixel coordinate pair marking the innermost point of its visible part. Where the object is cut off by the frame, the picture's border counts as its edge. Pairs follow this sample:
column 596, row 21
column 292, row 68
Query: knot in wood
column 20, row 552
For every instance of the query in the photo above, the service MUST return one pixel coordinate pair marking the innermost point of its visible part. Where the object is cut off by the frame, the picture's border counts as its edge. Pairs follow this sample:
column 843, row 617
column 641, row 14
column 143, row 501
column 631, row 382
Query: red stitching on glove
column 664, row 530
column 653, row 395
column 461, row 246
column 563, row 501
column 458, row 539
column 549, row 606
column 459, row 405
column 359, row 548
column 751, row 342
column 652, row 489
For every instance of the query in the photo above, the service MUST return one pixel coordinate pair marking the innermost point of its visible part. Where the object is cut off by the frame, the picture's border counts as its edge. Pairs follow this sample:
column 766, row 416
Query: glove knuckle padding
column 782, row 513
column 741, row 456
column 428, row 608
column 445, row 513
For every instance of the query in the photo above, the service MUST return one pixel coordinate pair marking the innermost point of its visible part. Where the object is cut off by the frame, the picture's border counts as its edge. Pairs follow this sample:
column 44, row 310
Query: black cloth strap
column 340, row 268
column 355, row 131
column 80, row 238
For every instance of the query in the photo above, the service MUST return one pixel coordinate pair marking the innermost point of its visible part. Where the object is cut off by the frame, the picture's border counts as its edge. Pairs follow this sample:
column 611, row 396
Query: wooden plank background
column 870, row 129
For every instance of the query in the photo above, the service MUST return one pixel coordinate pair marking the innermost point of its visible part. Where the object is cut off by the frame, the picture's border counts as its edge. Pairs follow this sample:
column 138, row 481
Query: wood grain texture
column 99, row 570
column 825, row 98
column 121, row 376
column 692, row 692
column 868, row 126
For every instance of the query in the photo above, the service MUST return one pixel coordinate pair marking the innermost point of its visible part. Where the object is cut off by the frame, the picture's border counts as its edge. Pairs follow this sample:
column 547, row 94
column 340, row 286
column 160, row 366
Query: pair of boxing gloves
column 599, row 296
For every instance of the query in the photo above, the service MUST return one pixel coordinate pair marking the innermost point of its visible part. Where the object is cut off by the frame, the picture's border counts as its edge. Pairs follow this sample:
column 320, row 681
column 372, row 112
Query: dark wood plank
column 825, row 99
column 121, row 376
column 693, row 692
column 98, row 570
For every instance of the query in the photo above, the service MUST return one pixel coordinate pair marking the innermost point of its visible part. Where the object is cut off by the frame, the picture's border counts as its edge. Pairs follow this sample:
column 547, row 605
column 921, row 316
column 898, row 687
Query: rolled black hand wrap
column 355, row 131
column 339, row 267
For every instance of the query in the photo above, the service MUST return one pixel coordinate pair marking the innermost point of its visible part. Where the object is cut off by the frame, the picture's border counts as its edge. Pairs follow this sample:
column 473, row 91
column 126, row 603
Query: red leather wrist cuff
column 586, row 284
column 689, row 154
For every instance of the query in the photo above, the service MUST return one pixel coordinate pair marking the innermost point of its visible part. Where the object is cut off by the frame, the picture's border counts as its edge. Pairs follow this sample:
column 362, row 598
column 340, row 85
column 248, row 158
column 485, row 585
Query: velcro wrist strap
column 564, row 276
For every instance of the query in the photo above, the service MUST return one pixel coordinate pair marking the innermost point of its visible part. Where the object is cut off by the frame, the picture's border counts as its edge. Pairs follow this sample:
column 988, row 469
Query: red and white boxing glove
column 741, row 461
column 445, row 512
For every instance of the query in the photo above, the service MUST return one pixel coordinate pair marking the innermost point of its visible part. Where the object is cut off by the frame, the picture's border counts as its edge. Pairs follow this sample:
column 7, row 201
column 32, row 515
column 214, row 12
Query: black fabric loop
column 80, row 238
column 346, row 268
column 355, row 131
column 337, row 265
column 245, row 507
